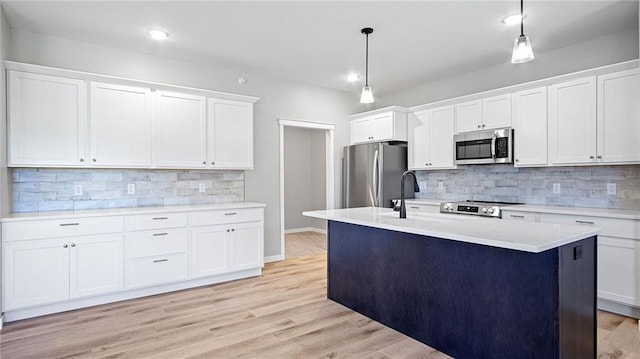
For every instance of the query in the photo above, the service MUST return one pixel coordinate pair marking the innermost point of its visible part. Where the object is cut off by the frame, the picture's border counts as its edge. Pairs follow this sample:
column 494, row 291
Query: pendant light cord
column 521, row 18
column 366, row 63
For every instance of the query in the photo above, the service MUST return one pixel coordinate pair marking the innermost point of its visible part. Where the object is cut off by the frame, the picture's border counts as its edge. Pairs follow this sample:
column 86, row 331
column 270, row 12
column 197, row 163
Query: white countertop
column 518, row 235
column 26, row 216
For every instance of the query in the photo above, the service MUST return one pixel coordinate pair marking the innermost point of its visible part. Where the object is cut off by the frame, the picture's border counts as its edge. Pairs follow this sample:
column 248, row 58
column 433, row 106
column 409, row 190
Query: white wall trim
column 330, row 162
column 1, row 321
column 305, row 229
column 276, row 258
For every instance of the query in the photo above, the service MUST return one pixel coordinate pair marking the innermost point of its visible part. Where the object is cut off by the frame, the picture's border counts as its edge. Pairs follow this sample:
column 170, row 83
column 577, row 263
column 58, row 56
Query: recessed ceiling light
column 353, row 77
column 513, row 19
column 158, row 34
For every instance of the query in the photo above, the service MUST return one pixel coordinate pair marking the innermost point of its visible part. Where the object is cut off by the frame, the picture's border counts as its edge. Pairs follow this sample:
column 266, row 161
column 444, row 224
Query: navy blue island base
column 468, row 300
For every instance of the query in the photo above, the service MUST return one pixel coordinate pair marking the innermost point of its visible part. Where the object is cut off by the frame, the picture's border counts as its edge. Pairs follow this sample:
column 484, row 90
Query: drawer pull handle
column 585, row 222
column 69, row 224
column 515, row 216
column 159, row 218
column 160, row 234
column 414, row 207
column 231, row 214
column 160, row 260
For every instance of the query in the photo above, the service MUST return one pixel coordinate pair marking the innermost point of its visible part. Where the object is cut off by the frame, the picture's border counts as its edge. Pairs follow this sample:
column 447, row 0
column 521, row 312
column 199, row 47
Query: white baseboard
column 305, row 229
column 276, row 258
column 1, row 320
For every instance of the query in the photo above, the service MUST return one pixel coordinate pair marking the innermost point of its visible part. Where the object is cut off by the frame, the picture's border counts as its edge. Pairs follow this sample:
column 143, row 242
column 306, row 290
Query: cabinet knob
column 599, row 156
column 591, row 157
column 478, row 126
column 430, row 164
column 93, row 160
column 73, row 244
column 482, row 126
column 82, row 160
column 517, row 160
column 426, row 164
column 204, row 162
column 213, row 163
column 65, row 246
column 228, row 230
column 232, row 230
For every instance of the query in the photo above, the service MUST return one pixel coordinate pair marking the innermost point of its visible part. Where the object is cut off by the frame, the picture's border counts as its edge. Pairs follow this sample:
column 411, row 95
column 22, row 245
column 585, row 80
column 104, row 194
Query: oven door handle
column 494, row 138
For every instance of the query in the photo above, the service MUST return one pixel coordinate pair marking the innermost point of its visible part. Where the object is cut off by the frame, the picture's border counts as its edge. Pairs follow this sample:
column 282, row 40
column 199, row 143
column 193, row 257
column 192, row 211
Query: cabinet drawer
column 17, row 231
column 155, row 243
column 224, row 217
column 156, row 270
column 155, row 221
column 624, row 228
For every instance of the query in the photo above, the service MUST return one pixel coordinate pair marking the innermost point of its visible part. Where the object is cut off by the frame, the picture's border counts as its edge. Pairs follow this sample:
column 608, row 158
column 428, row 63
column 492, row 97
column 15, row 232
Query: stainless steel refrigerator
column 372, row 173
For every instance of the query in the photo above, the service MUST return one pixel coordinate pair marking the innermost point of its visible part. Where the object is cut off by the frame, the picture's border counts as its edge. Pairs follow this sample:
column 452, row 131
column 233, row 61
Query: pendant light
column 367, row 94
column 522, row 51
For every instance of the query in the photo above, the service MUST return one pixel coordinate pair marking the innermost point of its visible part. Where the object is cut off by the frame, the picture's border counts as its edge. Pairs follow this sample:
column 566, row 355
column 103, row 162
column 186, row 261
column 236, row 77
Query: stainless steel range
column 477, row 208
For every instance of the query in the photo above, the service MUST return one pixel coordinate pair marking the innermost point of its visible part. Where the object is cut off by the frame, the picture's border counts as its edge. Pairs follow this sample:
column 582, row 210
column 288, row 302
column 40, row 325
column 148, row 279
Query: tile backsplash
column 579, row 186
column 37, row 189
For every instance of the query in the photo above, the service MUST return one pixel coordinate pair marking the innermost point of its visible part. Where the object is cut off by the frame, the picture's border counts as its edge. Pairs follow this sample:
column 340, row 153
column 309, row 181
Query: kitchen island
column 469, row 287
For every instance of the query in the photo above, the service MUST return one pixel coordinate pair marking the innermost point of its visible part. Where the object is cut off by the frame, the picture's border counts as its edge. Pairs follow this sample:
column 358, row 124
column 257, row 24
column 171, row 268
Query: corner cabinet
column 47, row 120
column 61, row 118
column 52, row 265
column 430, row 137
column 230, row 126
column 387, row 124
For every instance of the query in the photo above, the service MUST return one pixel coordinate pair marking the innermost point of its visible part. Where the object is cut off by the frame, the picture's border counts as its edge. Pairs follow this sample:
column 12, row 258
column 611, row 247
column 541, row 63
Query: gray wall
column 36, row 190
column 598, row 52
column 304, row 176
column 584, row 186
column 278, row 99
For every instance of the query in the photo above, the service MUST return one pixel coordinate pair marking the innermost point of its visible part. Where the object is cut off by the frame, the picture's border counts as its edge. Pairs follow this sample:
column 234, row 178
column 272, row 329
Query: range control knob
column 484, row 210
column 448, row 207
column 491, row 210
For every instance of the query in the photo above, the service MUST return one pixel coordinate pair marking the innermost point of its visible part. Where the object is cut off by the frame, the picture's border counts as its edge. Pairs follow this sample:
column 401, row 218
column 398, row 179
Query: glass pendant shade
column 522, row 50
column 367, row 95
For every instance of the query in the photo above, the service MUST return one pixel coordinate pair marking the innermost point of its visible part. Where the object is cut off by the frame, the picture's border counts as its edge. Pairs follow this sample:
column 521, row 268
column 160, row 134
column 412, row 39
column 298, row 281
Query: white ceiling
column 318, row 43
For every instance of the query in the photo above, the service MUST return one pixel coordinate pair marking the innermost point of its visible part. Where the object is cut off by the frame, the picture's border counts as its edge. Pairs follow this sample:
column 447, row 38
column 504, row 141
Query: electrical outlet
column 423, row 185
column 77, row 190
column 556, row 188
column 611, row 189
column 201, row 188
column 131, row 188
column 440, row 186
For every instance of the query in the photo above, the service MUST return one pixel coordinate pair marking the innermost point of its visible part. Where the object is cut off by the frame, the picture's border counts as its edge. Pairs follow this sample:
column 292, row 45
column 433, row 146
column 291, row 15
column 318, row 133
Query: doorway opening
column 306, row 179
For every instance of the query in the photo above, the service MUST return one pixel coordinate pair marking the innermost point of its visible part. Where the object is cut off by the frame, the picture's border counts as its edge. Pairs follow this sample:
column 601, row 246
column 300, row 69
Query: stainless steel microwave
column 484, row 147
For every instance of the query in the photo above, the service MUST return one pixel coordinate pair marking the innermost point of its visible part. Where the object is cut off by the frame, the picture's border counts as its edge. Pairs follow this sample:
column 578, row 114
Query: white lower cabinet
column 52, row 270
column 62, row 263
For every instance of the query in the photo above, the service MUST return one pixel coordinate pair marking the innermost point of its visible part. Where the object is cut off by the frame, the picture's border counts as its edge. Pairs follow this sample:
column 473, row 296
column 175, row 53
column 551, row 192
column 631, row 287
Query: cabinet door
column 440, row 139
column 47, row 120
column 209, row 250
column 382, row 127
column 617, row 270
column 469, row 116
column 530, row 127
column 35, row 273
column 230, row 139
column 418, row 128
column 361, row 130
column 619, row 117
column 120, row 125
column 245, row 245
column 572, row 122
column 96, row 265
column 180, row 130
column 496, row 112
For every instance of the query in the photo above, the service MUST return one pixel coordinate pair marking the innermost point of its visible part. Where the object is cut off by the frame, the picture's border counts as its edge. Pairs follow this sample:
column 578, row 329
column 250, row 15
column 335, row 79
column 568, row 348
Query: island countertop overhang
column 517, row 235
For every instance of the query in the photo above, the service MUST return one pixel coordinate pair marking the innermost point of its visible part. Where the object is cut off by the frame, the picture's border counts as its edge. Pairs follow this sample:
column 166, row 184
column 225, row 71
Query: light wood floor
column 282, row 314
column 304, row 244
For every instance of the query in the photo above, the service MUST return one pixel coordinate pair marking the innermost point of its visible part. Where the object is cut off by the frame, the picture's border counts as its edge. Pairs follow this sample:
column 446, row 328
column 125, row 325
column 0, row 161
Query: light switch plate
column 423, row 185
column 440, row 186
column 77, row 190
column 611, row 189
column 556, row 188
column 201, row 188
column 131, row 188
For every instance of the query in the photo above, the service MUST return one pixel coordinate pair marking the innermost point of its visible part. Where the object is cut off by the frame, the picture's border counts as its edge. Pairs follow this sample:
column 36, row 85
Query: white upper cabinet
column 230, row 141
column 488, row 113
column 572, row 122
column 469, row 116
column 530, row 127
column 180, row 130
column 431, row 139
column 385, row 125
column 618, row 117
column 120, row 125
column 47, row 120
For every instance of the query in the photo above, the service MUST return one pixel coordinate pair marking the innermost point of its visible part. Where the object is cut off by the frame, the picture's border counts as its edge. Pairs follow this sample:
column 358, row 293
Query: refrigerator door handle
column 376, row 177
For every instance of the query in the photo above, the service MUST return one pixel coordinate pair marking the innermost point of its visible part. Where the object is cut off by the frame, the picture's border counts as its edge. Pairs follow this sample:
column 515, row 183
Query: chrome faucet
column 403, row 208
